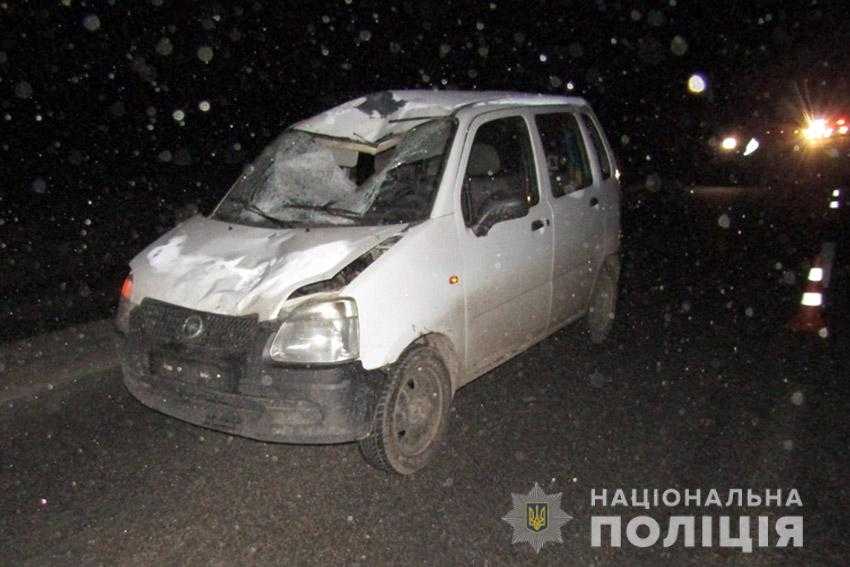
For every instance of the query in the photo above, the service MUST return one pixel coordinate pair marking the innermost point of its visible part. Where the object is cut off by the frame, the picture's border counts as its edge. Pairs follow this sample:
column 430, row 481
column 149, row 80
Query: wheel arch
column 444, row 347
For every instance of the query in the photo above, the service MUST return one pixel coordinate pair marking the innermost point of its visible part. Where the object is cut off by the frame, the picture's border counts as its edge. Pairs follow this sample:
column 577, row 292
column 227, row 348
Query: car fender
column 410, row 293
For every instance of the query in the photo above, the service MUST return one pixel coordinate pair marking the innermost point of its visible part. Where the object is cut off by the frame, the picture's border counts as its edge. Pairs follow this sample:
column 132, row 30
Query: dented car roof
column 378, row 116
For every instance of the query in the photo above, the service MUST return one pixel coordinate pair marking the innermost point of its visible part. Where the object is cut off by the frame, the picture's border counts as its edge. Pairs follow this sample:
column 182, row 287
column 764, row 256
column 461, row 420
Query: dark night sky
column 95, row 157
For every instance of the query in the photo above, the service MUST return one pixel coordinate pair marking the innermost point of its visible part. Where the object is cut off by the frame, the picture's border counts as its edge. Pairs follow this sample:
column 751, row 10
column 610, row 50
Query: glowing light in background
column 812, row 299
column 751, row 147
column 818, row 129
column 834, row 204
column 836, row 192
column 729, row 143
column 696, row 83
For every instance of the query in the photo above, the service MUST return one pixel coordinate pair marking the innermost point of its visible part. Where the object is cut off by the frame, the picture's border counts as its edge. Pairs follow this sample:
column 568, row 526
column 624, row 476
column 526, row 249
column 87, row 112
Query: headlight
column 323, row 332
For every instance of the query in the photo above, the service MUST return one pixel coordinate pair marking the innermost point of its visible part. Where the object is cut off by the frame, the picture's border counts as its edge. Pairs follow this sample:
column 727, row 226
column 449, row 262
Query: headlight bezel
column 319, row 331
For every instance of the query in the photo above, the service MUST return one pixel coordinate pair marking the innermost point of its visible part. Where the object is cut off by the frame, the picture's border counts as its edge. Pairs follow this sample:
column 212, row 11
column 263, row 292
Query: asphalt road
column 700, row 387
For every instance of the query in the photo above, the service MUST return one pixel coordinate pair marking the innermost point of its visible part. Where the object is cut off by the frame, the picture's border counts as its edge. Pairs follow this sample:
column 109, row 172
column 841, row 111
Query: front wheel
column 603, row 304
column 412, row 413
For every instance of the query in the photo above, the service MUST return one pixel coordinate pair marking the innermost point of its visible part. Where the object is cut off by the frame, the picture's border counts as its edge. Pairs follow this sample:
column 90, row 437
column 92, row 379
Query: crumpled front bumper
column 219, row 380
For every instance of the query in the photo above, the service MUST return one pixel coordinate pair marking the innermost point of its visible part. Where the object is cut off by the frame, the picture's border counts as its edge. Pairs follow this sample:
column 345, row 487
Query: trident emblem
column 538, row 516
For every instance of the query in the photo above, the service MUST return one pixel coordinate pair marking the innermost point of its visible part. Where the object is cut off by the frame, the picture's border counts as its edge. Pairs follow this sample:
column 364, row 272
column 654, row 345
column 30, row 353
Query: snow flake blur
column 91, row 22
column 205, row 53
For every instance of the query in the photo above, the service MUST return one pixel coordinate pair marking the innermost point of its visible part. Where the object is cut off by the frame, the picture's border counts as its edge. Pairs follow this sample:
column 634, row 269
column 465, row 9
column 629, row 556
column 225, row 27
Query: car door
column 577, row 219
column 609, row 182
column 507, row 271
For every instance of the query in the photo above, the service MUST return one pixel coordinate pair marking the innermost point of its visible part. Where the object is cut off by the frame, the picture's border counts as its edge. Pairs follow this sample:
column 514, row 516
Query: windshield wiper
column 260, row 212
column 344, row 213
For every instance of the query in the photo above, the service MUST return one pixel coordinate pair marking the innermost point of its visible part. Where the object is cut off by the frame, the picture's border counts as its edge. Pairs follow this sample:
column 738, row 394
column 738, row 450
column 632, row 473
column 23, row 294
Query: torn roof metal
column 376, row 117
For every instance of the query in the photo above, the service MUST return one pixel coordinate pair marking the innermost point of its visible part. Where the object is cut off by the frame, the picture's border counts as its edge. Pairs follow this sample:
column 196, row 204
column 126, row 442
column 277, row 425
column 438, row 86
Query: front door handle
column 538, row 224
column 594, row 201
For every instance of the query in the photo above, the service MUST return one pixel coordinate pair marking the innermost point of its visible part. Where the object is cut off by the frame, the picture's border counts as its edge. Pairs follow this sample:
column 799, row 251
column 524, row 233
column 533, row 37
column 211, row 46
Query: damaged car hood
column 233, row 269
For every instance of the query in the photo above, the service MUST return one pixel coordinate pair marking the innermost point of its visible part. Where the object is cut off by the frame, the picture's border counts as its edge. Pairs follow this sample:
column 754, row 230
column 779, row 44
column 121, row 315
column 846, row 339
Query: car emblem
column 192, row 327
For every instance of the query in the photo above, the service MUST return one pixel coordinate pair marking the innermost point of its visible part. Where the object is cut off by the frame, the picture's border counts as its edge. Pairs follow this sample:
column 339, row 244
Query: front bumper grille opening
column 157, row 322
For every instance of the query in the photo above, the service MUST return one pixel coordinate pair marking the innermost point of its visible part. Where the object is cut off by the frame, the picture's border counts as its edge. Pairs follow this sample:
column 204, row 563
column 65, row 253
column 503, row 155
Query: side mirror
column 498, row 211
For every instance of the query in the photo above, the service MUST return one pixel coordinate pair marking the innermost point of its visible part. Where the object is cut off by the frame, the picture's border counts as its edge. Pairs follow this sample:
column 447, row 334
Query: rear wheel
column 411, row 416
column 603, row 304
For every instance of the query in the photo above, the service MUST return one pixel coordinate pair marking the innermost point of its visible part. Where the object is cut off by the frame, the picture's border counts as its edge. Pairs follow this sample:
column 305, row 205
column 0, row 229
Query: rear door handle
column 594, row 201
column 539, row 223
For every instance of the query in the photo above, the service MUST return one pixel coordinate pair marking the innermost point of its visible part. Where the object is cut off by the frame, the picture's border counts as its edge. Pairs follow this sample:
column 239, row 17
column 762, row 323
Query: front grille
column 190, row 347
column 157, row 323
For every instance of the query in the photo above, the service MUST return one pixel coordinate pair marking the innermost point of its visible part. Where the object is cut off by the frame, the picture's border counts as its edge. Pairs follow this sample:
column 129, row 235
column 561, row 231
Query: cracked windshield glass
column 307, row 179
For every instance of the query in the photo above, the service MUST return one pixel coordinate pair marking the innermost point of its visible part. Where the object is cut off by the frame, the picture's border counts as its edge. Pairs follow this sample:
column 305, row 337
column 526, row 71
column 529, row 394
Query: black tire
column 409, row 425
column 603, row 304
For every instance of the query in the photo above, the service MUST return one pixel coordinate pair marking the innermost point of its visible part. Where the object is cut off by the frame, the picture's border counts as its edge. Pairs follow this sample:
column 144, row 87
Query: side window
column 566, row 156
column 500, row 168
column 596, row 138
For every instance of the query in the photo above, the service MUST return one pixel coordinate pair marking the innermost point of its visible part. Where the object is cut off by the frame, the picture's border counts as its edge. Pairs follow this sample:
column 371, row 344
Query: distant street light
column 696, row 84
column 729, row 143
column 818, row 129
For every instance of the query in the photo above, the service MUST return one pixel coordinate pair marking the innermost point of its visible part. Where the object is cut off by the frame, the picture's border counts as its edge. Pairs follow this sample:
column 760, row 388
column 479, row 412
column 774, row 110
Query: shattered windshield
column 303, row 179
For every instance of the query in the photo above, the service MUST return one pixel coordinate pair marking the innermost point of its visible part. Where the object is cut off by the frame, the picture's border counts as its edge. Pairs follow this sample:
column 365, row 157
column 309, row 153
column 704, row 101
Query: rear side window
column 566, row 156
column 596, row 138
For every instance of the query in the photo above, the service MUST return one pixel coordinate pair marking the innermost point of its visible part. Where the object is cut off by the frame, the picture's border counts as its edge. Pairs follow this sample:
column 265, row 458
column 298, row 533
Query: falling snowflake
column 91, row 22
column 164, row 46
column 205, row 53
column 678, row 46
column 23, row 90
